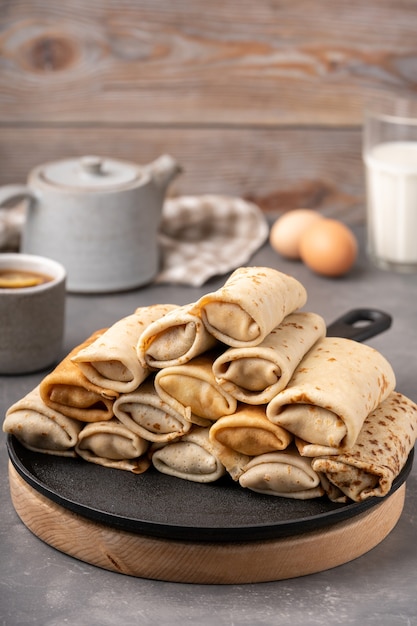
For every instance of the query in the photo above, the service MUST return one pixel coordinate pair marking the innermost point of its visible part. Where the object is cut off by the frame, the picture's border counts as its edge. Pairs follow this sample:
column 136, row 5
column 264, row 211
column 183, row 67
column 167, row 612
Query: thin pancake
column 378, row 456
column 192, row 391
column 251, row 303
column 145, row 413
column 285, row 474
column 249, row 432
column 111, row 360
column 174, row 339
column 192, row 458
column 256, row 374
column 113, row 445
column 337, row 384
column 69, row 392
column 40, row 428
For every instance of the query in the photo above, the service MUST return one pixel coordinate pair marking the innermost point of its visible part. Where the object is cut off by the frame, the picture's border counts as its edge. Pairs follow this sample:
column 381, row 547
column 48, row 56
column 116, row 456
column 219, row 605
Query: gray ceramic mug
column 32, row 318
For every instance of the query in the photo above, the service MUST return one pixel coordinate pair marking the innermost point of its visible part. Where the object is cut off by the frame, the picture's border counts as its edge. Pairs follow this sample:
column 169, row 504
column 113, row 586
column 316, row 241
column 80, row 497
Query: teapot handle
column 14, row 192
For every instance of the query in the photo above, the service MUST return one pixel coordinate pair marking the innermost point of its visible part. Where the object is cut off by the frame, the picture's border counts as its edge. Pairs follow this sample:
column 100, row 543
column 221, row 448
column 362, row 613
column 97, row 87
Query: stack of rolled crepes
column 241, row 383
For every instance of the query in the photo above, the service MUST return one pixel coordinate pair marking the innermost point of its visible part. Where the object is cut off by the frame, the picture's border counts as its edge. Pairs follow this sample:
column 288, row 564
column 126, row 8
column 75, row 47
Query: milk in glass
column 391, row 179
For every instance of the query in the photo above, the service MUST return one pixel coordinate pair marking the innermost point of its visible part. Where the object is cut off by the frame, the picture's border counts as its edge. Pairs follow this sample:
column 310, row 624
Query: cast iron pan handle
column 360, row 324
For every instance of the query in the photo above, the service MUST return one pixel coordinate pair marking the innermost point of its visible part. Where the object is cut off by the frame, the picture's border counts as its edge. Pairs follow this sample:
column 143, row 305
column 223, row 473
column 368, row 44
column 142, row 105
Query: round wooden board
column 203, row 563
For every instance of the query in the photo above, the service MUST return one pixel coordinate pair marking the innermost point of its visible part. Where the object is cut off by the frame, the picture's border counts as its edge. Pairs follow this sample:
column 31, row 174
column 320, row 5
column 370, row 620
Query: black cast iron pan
column 157, row 505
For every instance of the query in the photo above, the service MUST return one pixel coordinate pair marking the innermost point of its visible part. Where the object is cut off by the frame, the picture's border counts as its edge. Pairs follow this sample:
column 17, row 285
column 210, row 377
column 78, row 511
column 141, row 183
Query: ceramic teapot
column 98, row 217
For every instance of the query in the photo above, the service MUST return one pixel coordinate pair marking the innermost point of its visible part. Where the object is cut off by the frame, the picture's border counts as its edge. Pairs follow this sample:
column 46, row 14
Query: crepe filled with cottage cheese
column 40, row 428
column 249, row 431
column 378, row 456
column 256, row 374
column 334, row 388
column 192, row 458
column 146, row 414
column 192, row 391
column 111, row 360
column 284, row 473
column 251, row 303
column 69, row 392
column 113, row 445
column 174, row 339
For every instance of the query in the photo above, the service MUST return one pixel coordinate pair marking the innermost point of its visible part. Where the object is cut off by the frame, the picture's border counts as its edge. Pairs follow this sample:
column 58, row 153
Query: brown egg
column 329, row 247
column 287, row 230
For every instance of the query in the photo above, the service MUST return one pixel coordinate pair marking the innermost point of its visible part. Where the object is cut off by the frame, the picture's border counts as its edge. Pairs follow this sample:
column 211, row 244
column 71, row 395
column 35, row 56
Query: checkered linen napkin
column 203, row 236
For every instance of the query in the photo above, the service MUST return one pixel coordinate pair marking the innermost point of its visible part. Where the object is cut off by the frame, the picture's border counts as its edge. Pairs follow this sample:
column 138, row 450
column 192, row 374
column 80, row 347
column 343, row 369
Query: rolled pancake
column 111, row 360
column 147, row 415
column 192, row 391
column 192, row 458
column 249, row 432
column 251, row 303
column 284, row 473
column 256, row 374
column 69, row 392
column 174, row 339
column 40, row 428
column 111, row 444
column 378, row 456
column 334, row 388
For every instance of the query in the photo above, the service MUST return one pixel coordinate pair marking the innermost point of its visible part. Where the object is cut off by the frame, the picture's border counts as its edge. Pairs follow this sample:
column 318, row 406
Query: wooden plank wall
column 260, row 99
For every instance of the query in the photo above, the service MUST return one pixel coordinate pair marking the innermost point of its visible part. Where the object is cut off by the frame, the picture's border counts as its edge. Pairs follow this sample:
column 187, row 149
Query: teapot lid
column 91, row 173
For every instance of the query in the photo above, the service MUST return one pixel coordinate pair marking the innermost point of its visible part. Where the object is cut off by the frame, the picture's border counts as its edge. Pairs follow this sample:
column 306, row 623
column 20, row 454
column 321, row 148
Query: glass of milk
column 390, row 157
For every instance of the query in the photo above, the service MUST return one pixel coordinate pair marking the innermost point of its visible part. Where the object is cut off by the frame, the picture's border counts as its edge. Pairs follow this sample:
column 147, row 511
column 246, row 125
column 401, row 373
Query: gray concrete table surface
column 39, row 585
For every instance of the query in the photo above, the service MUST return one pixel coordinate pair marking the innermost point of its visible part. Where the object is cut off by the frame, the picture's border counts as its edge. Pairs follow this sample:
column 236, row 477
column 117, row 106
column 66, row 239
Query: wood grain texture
column 238, row 62
column 278, row 169
column 262, row 100
column 202, row 563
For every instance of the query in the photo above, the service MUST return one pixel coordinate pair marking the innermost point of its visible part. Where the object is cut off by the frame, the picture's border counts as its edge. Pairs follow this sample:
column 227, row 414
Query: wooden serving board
column 159, row 558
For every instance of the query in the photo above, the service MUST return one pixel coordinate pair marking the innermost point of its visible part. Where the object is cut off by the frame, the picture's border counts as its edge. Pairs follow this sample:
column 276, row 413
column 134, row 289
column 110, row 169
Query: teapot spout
column 163, row 170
